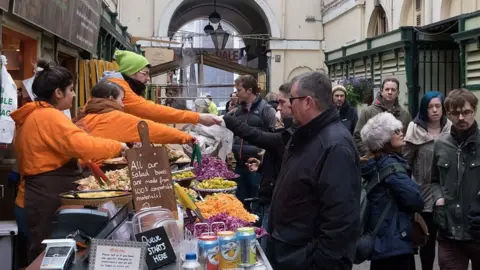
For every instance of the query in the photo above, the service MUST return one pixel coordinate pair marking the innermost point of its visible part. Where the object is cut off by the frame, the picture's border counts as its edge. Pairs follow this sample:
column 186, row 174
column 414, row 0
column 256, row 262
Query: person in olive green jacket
column 386, row 101
column 455, row 183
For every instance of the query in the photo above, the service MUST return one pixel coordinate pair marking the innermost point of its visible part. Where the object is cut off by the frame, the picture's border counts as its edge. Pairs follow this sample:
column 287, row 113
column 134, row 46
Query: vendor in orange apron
column 47, row 146
column 103, row 117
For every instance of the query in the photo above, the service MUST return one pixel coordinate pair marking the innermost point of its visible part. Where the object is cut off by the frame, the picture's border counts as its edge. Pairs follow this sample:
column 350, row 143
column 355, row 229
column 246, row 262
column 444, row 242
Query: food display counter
column 206, row 205
column 81, row 264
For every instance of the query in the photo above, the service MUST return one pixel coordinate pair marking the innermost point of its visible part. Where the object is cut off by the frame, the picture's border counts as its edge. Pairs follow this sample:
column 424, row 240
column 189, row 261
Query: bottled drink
column 191, row 262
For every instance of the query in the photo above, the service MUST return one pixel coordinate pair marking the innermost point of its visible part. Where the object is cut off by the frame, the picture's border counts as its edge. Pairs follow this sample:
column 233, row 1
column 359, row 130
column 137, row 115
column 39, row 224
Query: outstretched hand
column 207, row 119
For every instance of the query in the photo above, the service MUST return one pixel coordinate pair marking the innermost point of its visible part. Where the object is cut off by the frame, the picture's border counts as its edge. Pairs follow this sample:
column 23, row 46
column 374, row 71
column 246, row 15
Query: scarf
column 462, row 136
column 98, row 106
column 136, row 86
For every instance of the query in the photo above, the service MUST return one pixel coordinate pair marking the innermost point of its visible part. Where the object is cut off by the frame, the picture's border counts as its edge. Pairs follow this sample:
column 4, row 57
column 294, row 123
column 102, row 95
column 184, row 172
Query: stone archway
column 406, row 15
column 445, row 9
column 173, row 5
column 373, row 24
column 297, row 71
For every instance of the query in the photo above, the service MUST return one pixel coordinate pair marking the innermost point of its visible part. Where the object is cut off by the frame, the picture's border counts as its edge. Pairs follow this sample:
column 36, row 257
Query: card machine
column 59, row 254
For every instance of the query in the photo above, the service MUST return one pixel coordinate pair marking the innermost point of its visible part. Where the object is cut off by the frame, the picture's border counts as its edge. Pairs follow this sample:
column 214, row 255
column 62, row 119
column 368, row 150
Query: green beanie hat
column 129, row 62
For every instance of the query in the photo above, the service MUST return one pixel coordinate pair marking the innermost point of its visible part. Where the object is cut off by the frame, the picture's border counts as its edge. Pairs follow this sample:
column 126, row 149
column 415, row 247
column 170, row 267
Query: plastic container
column 247, row 246
column 156, row 217
column 8, row 230
column 228, row 250
column 191, row 262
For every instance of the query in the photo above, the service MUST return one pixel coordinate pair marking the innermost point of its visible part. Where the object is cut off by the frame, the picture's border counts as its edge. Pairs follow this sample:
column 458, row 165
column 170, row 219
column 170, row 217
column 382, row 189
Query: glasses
column 466, row 113
column 146, row 73
column 293, row 98
column 398, row 131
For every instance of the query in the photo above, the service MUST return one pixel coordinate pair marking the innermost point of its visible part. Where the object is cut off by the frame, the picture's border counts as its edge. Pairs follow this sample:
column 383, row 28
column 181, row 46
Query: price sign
column 114, row 255
column 150, row 175
column 159, row 250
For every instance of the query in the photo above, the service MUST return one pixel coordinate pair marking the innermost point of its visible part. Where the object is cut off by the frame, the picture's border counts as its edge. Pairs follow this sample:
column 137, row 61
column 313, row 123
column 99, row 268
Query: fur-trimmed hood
column 379, row 130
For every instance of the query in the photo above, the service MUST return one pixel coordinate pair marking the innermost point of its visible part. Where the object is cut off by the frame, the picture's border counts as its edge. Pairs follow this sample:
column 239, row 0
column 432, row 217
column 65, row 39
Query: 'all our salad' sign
column 150, row 175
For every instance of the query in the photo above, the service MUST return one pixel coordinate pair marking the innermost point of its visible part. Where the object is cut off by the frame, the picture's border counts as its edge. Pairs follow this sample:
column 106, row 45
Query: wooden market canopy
column 208, row 60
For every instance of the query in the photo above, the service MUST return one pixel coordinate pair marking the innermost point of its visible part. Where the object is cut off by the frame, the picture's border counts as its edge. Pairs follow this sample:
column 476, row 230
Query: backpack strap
column 381, row 176
column 382, row 217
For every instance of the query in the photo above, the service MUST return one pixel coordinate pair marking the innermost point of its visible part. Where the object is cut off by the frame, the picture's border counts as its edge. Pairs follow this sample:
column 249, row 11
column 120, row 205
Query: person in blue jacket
column 393, row 250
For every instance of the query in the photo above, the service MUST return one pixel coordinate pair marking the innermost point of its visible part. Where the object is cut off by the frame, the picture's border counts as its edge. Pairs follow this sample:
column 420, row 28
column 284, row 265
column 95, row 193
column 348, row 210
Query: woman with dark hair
column 103, row 115
column 47, row 146
column 396, row 197
column 430, row 123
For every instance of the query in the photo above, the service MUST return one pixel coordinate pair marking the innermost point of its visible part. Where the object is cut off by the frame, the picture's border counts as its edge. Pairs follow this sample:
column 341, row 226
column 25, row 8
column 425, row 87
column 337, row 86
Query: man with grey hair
column 315, row 209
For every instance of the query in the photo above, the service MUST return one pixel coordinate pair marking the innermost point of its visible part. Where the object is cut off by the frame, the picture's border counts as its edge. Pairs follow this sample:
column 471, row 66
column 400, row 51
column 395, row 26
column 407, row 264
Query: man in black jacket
column 255, row 112
column 315, row 209
column 273, row 142
column 348, row 114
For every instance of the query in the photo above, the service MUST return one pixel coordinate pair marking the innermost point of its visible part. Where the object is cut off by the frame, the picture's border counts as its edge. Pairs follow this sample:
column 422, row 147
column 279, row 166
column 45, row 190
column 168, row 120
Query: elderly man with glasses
column 315, row 208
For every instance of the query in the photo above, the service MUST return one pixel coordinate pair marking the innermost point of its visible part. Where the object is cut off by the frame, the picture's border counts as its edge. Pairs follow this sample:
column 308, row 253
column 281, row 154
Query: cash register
column 74, row 228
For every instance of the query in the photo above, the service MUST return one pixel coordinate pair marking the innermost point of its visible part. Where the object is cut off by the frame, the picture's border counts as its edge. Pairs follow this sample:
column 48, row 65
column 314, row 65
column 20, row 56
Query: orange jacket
column 46, row 139
column 138, row 106
column 122, row 127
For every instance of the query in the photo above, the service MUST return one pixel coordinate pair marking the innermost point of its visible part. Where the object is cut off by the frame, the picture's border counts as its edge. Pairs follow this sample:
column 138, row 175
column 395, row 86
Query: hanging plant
column 359, row 90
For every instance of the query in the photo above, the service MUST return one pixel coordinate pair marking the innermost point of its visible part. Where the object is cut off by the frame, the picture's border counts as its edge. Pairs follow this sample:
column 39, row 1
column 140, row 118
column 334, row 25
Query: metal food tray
column 188, row 169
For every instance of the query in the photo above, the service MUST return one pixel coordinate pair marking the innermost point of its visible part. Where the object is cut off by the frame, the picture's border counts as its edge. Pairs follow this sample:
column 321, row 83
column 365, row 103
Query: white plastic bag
column 211, row 138
column 9, row 104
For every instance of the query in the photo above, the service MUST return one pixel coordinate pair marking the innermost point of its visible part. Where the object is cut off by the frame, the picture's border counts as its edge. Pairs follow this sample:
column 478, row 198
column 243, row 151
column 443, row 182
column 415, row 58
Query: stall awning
column 208, row 60
column 469, row 28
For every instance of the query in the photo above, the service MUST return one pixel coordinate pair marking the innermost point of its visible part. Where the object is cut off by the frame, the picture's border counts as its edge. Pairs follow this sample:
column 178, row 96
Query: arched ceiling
column 245, row 15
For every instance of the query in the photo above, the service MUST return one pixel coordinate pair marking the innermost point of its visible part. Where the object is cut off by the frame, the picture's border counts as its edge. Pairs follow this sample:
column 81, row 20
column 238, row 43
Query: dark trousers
column 401, row 262
column 23, row 239
column 456, row 255
column 247, row 184
column 427, row 252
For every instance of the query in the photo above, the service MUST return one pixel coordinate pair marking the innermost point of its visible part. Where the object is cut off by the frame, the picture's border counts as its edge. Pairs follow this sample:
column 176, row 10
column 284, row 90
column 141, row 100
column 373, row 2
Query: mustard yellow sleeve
column 63, row 136
column 140, row 107
column 158, row 133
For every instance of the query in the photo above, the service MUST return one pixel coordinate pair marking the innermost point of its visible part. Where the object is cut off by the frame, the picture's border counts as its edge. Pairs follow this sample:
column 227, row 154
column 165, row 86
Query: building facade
column 426, row 44
column 289, row 33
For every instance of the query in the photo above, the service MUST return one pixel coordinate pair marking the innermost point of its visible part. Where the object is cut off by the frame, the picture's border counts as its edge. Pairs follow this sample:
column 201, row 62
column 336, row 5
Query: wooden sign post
column 150, row 175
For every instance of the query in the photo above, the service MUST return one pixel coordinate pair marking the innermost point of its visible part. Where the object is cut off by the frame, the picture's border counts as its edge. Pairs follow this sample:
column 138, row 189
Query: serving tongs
column 99, row 175
column 196, row 154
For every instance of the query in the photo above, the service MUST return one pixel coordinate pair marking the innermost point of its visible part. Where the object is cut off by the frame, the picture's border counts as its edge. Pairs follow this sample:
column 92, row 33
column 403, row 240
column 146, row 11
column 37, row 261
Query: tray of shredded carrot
column 224, row 203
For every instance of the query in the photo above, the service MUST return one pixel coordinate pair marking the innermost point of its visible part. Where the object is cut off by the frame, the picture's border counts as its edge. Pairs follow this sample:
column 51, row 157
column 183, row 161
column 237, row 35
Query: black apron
column 42, row 201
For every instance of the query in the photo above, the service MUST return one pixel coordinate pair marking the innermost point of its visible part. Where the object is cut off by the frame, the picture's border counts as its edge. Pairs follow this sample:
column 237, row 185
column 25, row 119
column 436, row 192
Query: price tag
column 159, row 250
column 150, row 175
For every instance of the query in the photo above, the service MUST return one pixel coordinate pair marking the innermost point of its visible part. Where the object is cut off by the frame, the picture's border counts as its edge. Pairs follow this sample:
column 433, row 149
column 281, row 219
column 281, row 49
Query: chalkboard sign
column 159, row 250
column 150, row 175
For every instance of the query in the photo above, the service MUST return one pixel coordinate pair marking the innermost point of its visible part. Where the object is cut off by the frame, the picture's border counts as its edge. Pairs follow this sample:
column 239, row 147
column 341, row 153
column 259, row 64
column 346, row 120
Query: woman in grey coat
column 430, row 123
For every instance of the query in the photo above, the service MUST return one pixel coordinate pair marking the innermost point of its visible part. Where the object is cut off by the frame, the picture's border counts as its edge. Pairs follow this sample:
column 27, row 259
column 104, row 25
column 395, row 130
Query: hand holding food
column 253, row 164
column 440, row 202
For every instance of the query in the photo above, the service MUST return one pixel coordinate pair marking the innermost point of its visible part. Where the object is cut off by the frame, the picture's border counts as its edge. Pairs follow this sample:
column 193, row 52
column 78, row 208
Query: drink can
column 228, row 250
column 247, row 246
column 208, row 252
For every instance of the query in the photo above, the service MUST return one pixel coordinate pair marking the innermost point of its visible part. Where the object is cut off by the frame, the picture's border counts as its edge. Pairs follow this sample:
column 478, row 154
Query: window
column 381, row 22
column 418, row 4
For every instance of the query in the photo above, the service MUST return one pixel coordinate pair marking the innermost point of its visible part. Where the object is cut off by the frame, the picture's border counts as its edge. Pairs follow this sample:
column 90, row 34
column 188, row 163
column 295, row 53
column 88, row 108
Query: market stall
column 157, row 207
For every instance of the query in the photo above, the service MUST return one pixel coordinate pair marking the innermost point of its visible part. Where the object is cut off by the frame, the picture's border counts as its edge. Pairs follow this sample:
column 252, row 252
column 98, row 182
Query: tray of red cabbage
column 213, row 167
column 231, row 224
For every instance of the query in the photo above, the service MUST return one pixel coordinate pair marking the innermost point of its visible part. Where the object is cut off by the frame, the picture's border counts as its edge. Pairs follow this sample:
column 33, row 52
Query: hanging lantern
column 214, row 17
column 220, row 38
column 208, row 29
